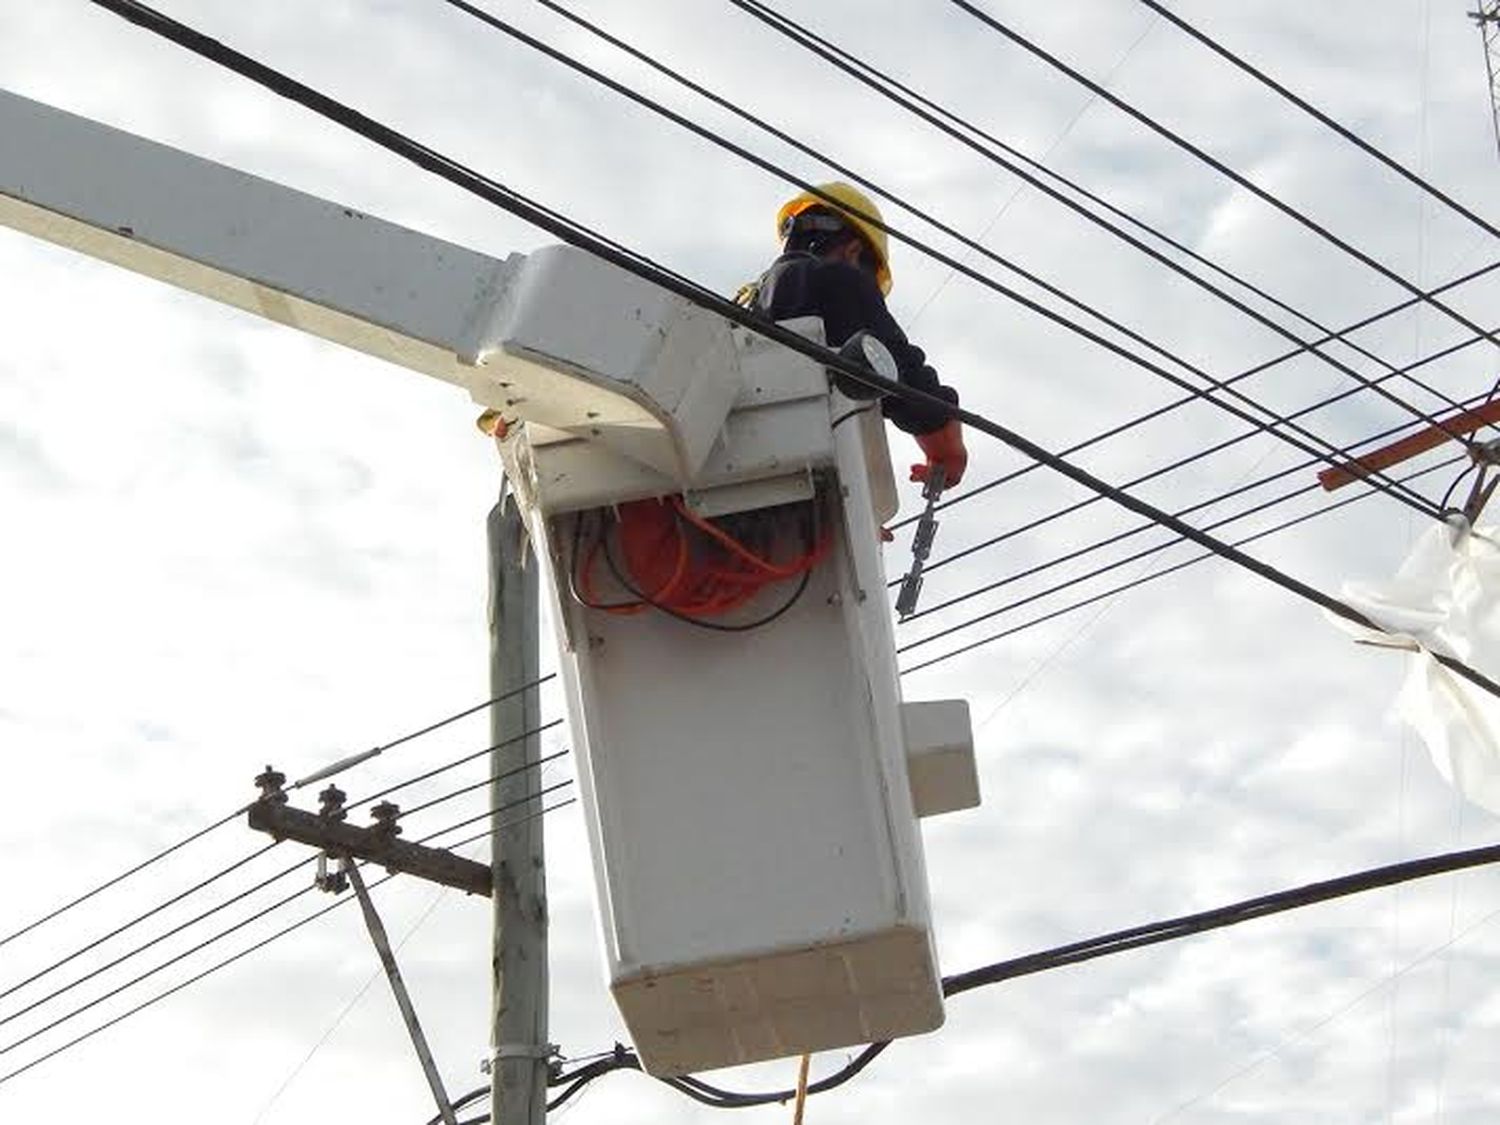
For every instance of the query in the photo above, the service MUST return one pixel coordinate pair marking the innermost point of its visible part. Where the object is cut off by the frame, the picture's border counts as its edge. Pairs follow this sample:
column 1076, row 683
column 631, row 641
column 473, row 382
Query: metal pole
column 519, row 1067
column 398, row 986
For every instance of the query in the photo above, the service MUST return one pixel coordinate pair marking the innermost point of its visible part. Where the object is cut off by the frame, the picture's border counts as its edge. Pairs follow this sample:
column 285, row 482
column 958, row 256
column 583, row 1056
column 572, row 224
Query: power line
column 1073, row 953
column 364, row 756
column 202, row 916
column 1216, row 164
column 1172, row 466
column 118, row 930
column 619, row 88
column 202, row 884
column 122, row 876
column 326, row 771
column 726, row 104
column 887, row 87
column 1108, row 541
column 1116, row 590
column 465, row 760
column 226, row 962
column 1307, row 107
column 425, row 805
column 1177, row 404
column 1069, row 583
column 578, row 235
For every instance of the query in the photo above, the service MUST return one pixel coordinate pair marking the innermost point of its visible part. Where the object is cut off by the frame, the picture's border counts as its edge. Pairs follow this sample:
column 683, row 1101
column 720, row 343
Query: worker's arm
column 851, row 301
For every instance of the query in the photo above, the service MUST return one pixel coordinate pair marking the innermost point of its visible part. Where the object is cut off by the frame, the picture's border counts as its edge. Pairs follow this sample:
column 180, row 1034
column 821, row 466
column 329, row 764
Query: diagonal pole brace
column 398, row 986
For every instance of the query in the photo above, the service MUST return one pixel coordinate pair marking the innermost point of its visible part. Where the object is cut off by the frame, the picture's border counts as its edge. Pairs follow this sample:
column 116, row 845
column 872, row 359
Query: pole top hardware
column 385, row 816
column 331, row 803
column 270, row 785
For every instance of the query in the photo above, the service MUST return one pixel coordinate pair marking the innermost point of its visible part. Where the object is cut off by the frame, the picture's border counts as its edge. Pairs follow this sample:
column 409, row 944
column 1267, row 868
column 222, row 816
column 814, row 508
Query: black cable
column 1103, row 945
column 183, row 926
column 746, row 155
column 425, row 805
column 1118, row 537
column 120, row 878
column 1079, row 579
column 1121, row 941
column 1216, row 164
column 1342, row 130
column 779, row 134
column 855, row 412
column 509, row 824
column 181, row 985
column 1177, row 404
column 1246, row 910
column 573, row 564
column 1117, row 590
column 133, row 981
column 235, row 815
column 465, row 760
column 118, row 930
column 1219, row 447
column 572, row 232
column 872, row 77
column 526, row 800
column 1447, row 496
column 887, row 87
column 227, row 961
column 179, row 897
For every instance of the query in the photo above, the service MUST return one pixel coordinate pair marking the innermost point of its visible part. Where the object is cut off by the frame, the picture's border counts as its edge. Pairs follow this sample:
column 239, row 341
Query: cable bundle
column 692, row 568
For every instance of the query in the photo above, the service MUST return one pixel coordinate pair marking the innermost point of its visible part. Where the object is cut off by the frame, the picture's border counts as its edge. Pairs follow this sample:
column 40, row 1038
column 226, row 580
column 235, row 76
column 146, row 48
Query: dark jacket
column 848, row 299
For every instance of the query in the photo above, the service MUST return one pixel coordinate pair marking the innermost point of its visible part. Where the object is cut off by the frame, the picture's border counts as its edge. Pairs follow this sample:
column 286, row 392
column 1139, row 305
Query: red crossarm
column 1403, row 449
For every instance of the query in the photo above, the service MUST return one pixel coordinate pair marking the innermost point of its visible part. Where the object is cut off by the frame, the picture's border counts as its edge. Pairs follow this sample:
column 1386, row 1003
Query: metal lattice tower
column 1488, row 19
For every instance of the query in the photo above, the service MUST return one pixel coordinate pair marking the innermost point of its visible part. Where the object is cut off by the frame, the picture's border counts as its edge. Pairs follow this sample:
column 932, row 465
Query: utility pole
column 519, row 1048
column 1487, row 16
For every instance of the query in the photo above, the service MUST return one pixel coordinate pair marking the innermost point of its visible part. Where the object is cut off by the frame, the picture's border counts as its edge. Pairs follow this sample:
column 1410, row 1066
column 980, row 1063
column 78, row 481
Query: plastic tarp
column 1445, row 599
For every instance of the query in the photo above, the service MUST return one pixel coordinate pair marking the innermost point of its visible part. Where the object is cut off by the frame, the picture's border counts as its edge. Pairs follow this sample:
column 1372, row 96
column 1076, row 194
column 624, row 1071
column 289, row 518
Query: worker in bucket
column 835, row 265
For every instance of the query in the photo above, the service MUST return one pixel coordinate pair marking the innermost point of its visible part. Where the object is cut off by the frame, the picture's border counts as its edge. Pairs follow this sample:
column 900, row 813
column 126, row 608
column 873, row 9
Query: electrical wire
column 781, row 135
column 237, row 813
column 1216, row 164
column 1152, row 576
column 1089, row 949
column 200, row 917
column 674, row 610
column 1119, row 537
column 578, row 235
column 465, row 760
column 118, row 930
column 425, row 805
column 126, row 874
column 226, row 962
column 1078, row 553
column 622, row 90
column 1307, row 107
column 887, row 87
column 526, row 800
column 1059, row 513
column 1177, row 404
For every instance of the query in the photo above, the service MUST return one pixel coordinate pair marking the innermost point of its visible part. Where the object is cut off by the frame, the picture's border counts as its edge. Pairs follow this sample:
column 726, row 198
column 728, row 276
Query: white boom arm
column 444, row 310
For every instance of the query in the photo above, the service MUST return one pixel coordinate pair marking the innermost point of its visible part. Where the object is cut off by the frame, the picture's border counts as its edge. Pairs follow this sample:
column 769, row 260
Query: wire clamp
column 538, row 1051
column 921, row 545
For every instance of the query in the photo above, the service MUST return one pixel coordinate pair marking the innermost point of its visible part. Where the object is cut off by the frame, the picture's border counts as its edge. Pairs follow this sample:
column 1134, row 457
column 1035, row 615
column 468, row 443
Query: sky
column 228, row 545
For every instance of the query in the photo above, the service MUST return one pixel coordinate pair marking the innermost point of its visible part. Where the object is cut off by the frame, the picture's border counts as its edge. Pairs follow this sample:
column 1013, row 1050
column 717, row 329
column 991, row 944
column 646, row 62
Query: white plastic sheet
column 1445, row 599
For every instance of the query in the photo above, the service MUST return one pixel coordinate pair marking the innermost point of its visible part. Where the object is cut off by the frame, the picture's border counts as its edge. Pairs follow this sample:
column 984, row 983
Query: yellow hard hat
column 856, row 207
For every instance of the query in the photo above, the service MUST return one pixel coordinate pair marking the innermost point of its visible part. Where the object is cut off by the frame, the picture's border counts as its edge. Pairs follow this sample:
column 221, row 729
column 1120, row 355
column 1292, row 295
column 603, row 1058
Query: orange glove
column 945, row 447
